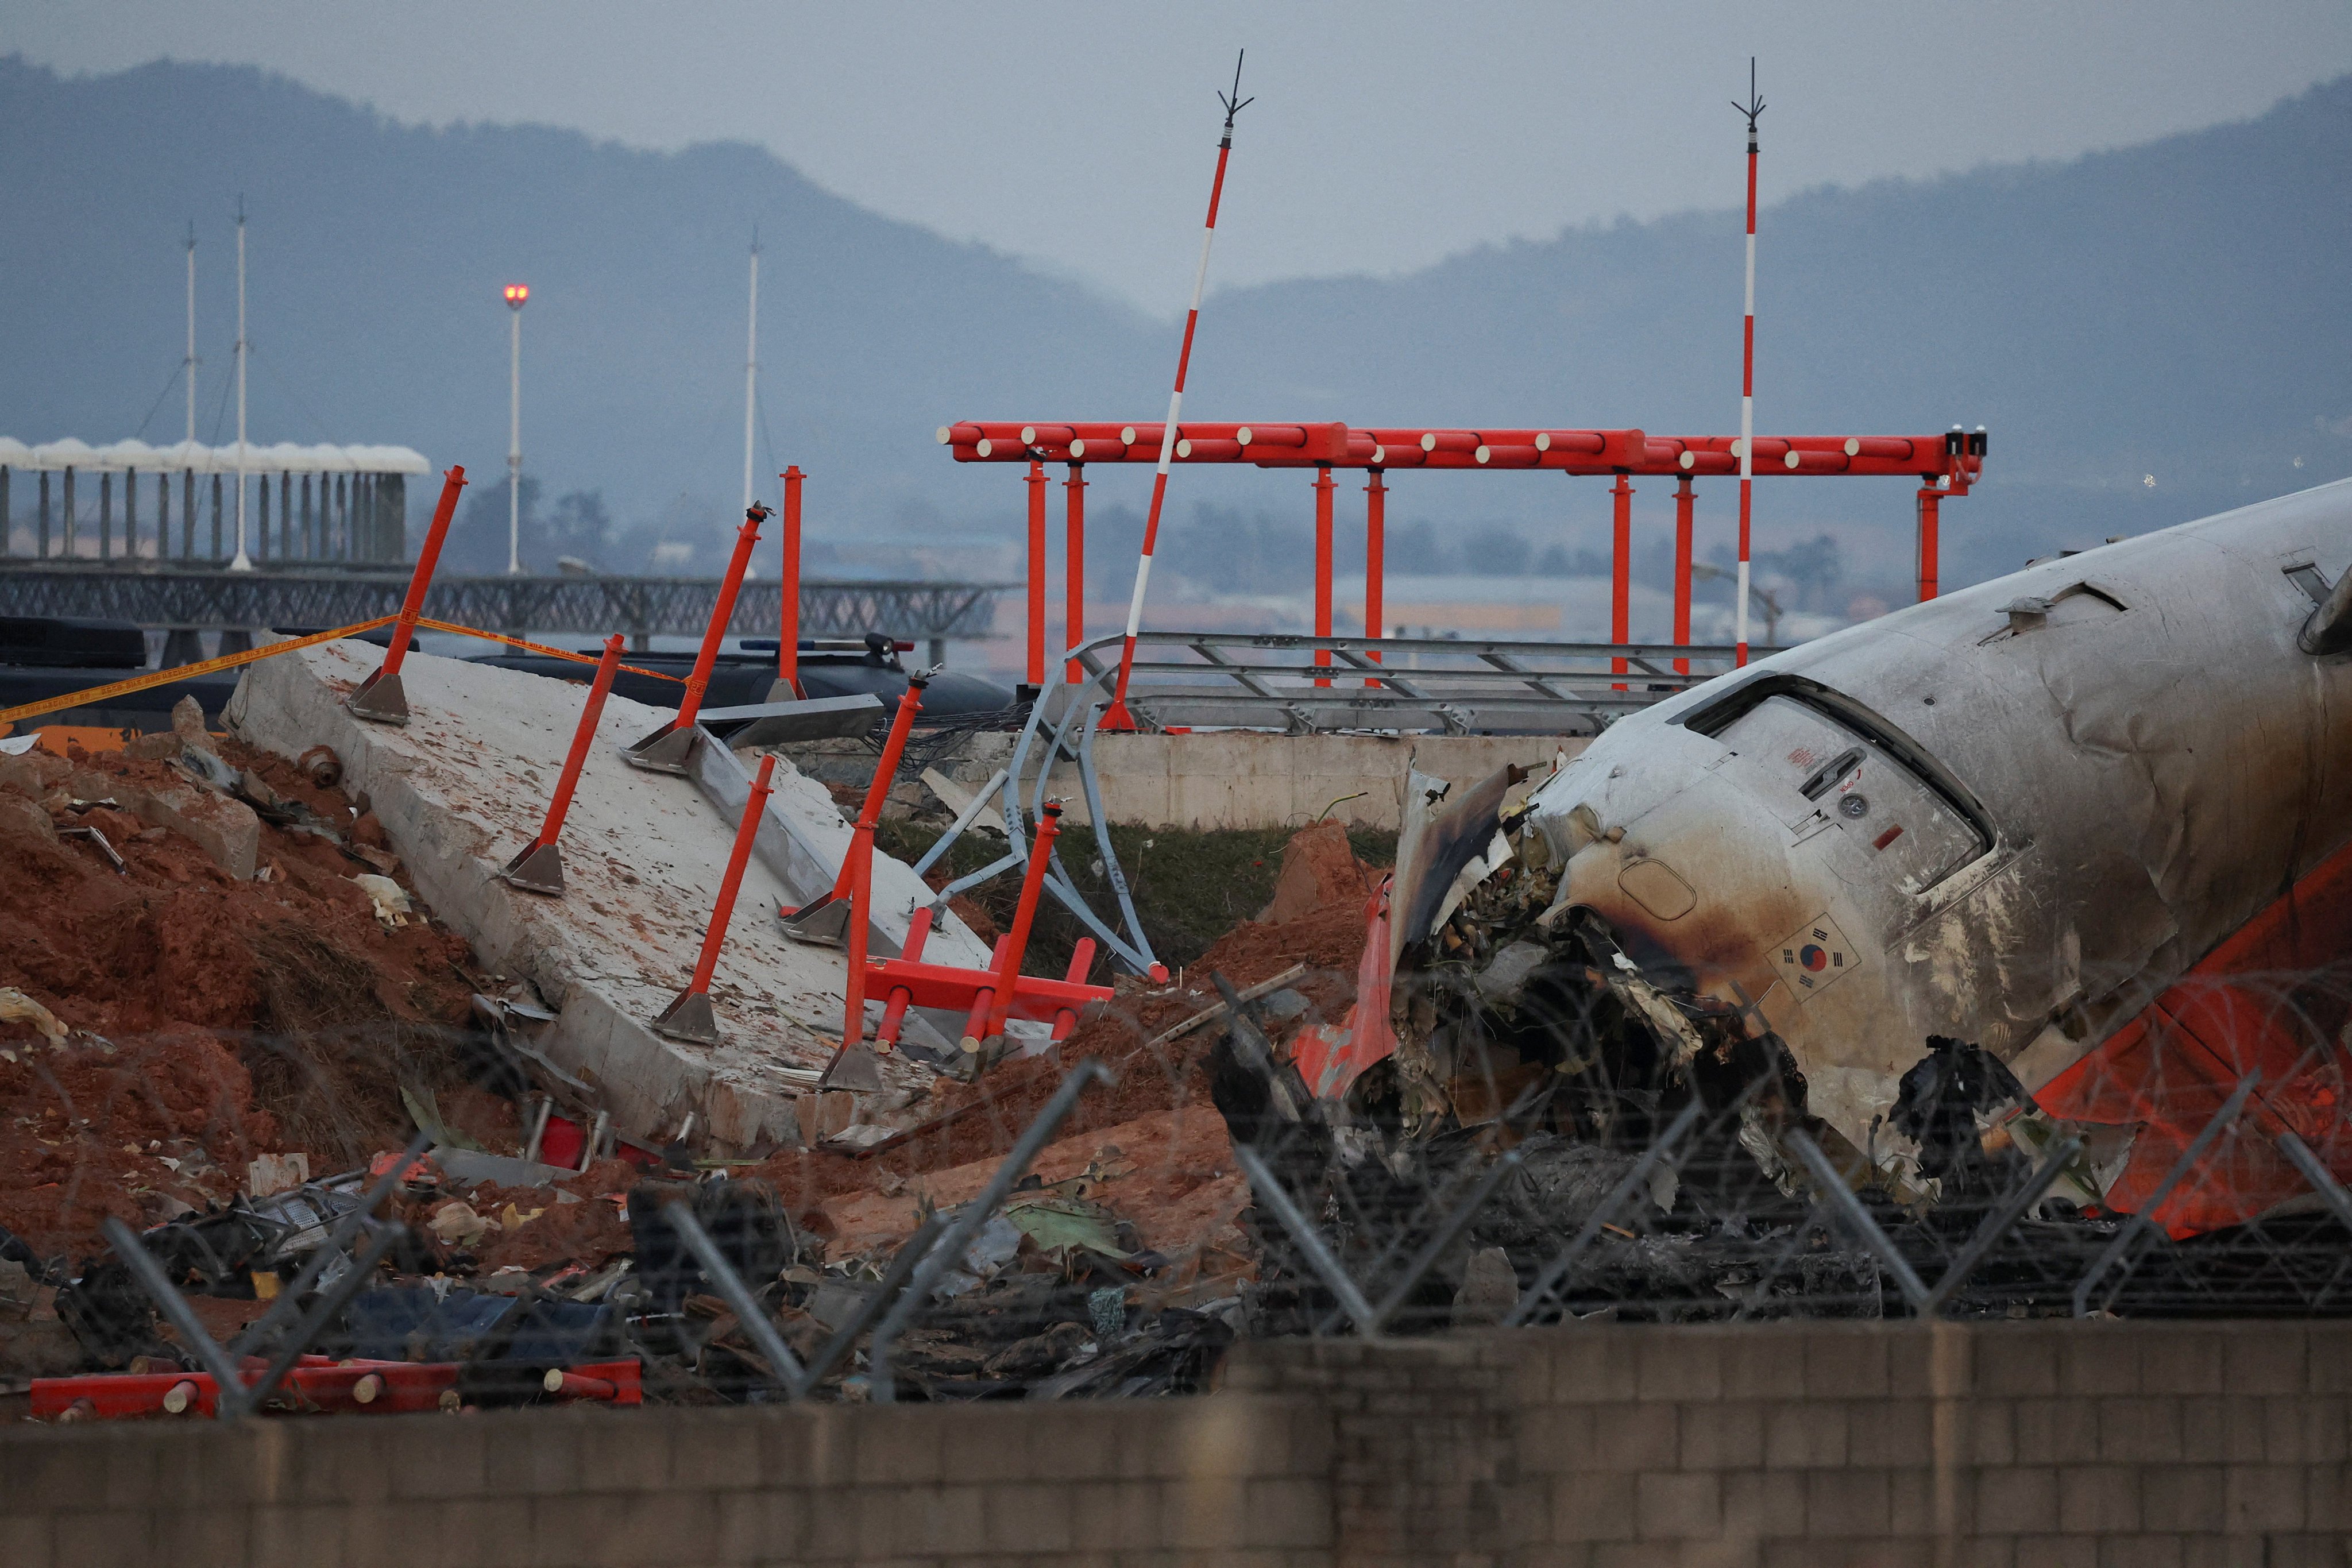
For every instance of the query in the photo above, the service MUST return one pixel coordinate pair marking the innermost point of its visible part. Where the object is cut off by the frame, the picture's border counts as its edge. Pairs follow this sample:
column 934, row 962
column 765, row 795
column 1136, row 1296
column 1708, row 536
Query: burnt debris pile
column 1558, row 1130
column 1396, row 1103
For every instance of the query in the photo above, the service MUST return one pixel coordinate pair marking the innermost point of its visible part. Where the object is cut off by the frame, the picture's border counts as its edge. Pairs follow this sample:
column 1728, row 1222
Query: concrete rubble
column 466, row 782
column 527, row 1254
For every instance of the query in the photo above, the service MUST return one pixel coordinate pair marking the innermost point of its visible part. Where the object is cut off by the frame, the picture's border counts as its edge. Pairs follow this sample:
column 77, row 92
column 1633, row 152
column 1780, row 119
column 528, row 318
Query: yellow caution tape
column 98, row 694
column 95, row 695
column 538, row 648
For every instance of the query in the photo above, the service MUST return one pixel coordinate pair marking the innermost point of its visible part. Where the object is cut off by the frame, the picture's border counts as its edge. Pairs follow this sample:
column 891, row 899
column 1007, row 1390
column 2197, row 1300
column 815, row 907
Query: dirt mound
column 1320, row 872
column 980, row 1122
column 211, row 1018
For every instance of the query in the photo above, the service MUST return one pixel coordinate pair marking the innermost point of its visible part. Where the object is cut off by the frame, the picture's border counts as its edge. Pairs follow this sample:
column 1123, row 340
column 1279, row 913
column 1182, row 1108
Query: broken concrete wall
column 467, row 783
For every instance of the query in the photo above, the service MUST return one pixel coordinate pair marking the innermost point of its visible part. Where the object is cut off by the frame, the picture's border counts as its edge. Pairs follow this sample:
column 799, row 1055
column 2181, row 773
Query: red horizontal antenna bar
column 1584, row 452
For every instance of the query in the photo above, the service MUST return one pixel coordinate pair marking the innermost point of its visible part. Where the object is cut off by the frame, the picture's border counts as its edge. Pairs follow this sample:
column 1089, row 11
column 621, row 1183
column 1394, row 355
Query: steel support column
column 1621, row 568
column 1323, row 563
column 1930, row 505
column 1074, row 568
column 1035, row 666
column 788, row 585
column 1376, row 545
column 1685, row 498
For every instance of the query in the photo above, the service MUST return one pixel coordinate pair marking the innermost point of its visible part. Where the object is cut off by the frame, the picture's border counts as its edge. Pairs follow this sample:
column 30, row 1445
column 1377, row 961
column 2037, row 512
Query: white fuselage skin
column 2127, row 780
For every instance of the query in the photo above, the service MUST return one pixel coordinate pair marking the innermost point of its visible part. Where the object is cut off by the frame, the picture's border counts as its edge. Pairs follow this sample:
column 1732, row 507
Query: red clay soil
column 211, row 1019
column 215, row 1020
column 1329, row 940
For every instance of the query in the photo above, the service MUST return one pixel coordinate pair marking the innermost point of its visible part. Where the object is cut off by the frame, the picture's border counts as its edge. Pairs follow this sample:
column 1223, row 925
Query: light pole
column 189, row 365
column 516, row 293
column 243, row 562
column 751, row 368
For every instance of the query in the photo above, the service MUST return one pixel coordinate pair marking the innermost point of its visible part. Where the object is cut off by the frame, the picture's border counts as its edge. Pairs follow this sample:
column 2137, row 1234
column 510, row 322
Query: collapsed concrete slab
column 466, row 783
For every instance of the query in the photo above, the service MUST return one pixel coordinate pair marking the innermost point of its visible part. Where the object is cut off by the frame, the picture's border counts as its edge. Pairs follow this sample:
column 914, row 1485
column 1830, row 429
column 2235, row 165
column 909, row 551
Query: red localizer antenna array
column 1751, row 109
column 1117, row 718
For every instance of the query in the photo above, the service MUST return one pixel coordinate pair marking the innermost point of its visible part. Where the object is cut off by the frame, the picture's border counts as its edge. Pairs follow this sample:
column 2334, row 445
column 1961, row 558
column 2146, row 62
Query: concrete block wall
column 992, row 1486
column 1229, row 778
column 2006, row 1445
column 2009, row 1445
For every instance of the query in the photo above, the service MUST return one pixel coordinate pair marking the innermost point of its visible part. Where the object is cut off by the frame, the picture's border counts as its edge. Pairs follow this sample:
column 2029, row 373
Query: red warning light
column 516, row 293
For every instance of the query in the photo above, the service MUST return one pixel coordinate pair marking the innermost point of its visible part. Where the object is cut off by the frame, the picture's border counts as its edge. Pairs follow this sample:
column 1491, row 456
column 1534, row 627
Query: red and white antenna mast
column 1117, row 716
column 1751, row 109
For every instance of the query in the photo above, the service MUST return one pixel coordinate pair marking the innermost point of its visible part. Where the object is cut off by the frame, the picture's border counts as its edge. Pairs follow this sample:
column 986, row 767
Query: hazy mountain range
column 2174, row 312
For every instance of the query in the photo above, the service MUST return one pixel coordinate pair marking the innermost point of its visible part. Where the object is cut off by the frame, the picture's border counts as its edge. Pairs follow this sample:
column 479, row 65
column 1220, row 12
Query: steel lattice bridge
column 203, row 597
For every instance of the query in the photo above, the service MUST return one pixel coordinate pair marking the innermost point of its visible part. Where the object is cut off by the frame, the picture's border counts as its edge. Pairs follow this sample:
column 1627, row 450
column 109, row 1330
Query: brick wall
column 1000, row 1484
column 1819, row 1446
column 2008, row 1444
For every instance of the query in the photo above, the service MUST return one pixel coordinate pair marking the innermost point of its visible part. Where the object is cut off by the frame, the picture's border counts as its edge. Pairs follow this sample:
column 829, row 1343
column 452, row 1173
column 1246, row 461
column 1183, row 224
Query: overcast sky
column 1385, row 135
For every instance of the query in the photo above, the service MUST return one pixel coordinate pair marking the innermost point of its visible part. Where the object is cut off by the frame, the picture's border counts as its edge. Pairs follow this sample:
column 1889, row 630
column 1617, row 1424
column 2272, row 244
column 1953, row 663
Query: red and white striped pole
column 1752, row 107
column 1116, row 716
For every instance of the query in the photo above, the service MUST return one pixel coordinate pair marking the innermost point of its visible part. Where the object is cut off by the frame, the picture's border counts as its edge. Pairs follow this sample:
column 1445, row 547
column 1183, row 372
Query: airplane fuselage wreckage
column 2064, row 853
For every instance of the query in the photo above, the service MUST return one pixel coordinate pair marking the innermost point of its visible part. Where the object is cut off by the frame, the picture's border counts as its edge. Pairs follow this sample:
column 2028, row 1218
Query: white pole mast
column 243, row 562
column 1751, row 109
column 751, row 369
column 516, row 294
column 189, row 365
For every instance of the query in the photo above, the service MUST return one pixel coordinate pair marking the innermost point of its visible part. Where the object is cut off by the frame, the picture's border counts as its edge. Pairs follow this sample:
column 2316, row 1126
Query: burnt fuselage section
column 2014, row 817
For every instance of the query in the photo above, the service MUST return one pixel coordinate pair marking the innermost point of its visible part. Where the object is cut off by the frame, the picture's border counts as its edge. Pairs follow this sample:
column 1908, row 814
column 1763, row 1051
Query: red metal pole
column 598, row 690
column 1930, row 514
column 857, row 865
column 1116, row 717
column 720, row 613
column 1376, row 547
column 1621, row 571
column 419, row 580
column 1685, row 498
column 1036, row 573
column 748, row 829
column 859, row 861
column 885, row 773
column 1008, row 963
column 1323, row 564
column 788, row 628
column 1082, row 958
column 983, row 998
column 894, row 1012
column 1073, row 569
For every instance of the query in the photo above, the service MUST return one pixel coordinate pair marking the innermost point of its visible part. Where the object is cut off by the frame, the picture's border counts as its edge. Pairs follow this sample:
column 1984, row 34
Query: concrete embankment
column 464, row 785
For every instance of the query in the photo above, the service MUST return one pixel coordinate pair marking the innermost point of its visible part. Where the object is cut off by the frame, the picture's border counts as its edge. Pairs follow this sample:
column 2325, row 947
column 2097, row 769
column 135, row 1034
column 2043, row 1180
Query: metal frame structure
column 1274, row 680
column 1945, row 465
column 643, row 606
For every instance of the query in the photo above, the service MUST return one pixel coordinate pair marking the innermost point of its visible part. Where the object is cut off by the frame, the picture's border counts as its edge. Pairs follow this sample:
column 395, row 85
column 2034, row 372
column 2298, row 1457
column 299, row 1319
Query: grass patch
column 1189, row 887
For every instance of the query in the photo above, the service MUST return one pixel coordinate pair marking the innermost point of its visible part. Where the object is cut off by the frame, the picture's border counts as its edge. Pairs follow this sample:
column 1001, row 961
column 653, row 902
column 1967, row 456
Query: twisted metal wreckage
column 2051, row 871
